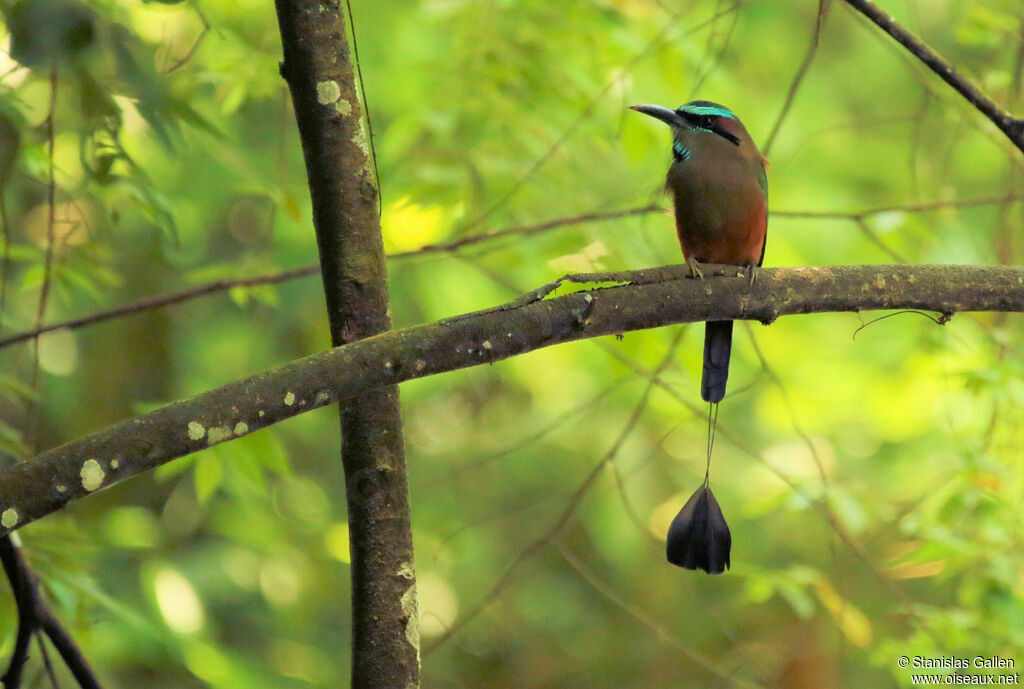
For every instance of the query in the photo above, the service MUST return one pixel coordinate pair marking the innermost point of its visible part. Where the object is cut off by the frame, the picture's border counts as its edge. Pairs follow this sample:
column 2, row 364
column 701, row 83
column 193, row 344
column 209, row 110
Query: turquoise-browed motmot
column 720, row 197
column 720, row 194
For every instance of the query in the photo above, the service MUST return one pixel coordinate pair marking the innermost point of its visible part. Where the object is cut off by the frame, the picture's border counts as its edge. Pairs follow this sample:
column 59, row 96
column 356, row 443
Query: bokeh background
column 872, row 478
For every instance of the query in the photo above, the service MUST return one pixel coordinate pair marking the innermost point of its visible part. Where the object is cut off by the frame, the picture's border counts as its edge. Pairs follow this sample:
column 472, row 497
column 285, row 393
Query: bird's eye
column 706, row 122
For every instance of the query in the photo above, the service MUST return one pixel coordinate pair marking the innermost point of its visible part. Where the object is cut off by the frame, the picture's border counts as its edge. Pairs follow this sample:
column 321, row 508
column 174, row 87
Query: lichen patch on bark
column 92, row 475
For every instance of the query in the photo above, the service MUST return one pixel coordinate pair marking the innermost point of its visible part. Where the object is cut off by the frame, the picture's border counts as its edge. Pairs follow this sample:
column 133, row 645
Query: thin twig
column 873, row 237
column 366, row 106
column 48, row 668
column 663, row 633
column 482, row 520
column 801, row 72
column 162, row 300
column 5, row 262
column 179, row 296
column 922, row 207
column 21, row 587
column 10, row 140
column 184, row 60
column 1012, row 127
column 788, row 403
column 994, row 136
column 553, row 425
column 560, row 523
column 620, row 483
column 527, row 230
column 821, row 506
column 171, row 298
column 585, row 113
column 937, row 320
column 44, row 291
column 1017, row 78
column 51, row 205
column 34, row 614
column 702, row 73
column 69, row 650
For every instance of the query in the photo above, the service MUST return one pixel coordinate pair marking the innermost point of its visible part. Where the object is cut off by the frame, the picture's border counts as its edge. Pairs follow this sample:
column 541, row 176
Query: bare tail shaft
column 717, row 348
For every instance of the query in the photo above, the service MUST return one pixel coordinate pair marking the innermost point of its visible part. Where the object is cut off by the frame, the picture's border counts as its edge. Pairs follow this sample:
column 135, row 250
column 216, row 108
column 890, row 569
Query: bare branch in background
column 36, row 618
column 663, row 633
column 801, row 72
column 1012, row 127
column 215, row 286
column 588, row 109
column 556, row 528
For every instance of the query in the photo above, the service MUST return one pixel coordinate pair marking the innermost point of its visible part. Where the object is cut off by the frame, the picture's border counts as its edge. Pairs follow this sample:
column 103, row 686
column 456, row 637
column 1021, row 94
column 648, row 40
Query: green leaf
column 207, row 476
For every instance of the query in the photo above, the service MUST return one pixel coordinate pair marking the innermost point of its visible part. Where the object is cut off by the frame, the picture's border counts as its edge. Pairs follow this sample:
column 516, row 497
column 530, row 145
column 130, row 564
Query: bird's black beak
column 673, row 119
column 666, row 115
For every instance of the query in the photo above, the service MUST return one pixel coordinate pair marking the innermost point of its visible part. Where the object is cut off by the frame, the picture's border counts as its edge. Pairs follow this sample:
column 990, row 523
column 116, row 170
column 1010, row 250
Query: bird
column 719, row 190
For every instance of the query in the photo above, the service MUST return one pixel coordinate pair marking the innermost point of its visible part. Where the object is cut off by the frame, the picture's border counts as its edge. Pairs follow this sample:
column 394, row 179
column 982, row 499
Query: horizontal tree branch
column 623, row 302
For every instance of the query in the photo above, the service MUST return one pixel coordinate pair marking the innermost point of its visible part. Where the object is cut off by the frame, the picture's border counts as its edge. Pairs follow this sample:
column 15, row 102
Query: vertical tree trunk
column 318, row 68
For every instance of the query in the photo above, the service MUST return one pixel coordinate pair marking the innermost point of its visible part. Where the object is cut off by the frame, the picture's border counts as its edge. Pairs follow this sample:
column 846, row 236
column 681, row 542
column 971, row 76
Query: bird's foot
column 750, row 272
column 695, row 270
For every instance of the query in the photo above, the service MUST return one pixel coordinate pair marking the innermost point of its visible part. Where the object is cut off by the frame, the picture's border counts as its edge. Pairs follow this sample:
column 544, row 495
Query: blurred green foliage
column 872, row 484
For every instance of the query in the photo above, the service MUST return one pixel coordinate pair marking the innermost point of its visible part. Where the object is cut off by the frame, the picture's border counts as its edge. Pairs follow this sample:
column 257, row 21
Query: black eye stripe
column 701, row 121
column 708, row 123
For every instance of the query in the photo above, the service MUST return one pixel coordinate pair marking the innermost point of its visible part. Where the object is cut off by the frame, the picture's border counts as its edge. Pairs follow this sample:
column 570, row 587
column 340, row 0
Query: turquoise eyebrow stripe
column 707, row 110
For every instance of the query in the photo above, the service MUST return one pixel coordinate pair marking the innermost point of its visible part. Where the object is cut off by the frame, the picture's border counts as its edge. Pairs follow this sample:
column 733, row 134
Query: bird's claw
column 695, row 270
column 747, row 271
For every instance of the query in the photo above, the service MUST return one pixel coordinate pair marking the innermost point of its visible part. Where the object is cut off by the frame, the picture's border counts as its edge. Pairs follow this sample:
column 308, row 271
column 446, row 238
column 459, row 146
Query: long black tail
column 717, row 347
